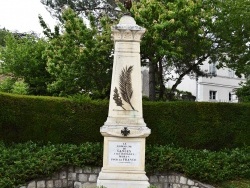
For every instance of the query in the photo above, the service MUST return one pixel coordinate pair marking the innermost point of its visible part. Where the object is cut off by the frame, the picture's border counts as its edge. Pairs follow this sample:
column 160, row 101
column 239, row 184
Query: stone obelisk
column 125, row 131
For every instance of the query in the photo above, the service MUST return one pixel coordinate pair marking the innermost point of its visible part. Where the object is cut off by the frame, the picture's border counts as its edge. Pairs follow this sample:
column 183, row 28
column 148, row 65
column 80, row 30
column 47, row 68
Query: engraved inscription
column 126, row 121
column 124, row 153
column 128, row 27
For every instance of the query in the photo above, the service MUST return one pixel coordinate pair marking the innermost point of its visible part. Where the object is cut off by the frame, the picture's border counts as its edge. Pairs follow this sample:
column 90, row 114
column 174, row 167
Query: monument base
column 122, row 180
column 124, row 157
column 122, row 184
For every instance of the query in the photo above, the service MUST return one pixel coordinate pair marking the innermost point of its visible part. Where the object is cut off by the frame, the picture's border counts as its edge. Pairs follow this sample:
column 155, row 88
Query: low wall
column 75, row 177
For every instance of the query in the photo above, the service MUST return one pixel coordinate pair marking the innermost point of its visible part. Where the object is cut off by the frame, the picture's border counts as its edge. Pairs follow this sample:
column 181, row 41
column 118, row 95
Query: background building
column 219, row 87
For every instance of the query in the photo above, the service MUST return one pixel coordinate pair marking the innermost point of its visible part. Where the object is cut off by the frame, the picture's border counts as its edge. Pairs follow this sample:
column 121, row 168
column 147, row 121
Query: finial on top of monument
column 128, row 5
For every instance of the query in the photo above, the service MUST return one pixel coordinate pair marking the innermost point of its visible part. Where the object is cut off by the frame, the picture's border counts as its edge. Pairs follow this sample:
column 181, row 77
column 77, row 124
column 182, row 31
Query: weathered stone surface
column 58, row 183
column 176, row 185
column 78, row 170
column 67, row 179
column 41, row 184
column 190, row 182
column 93, row 178
column 50, row 184
column 65, row 183
column 167, row 185
column 153, row 179
column 163, row 179
column 183, row 180
column 171, row 179
column 63, row 175
column 83, row 177
column 87, row 170
column 70, row 184
column 77, row 185
column 72, row 176
column 32, row 184
column 177, row 179
column 96, row 170
column 88, row 185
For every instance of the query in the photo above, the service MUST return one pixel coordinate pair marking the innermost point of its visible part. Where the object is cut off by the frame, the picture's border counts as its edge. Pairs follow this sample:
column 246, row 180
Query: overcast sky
column 22, row 15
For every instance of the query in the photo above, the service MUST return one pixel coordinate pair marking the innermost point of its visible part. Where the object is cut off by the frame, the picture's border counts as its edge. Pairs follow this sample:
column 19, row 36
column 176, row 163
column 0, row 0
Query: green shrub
column 11, row 85
column 204, row 165
column 211, row 126
column 7, row 84
column 20, row 87
column 20, row 163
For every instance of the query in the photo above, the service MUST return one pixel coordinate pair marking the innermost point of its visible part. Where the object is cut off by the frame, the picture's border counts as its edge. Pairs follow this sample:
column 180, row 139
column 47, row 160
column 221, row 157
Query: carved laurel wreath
column 125, row 87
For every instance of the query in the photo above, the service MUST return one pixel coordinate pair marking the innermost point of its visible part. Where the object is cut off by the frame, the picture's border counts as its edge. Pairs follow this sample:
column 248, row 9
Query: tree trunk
column 174, row 87
column 151, row 81
column 161, row 81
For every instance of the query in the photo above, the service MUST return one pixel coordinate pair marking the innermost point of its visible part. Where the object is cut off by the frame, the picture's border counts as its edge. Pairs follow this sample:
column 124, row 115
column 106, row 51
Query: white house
column 214, row 89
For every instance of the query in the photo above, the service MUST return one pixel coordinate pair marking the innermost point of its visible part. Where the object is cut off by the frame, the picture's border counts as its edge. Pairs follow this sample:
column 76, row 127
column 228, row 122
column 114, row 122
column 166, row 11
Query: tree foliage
column 232, row 32
column 178, row 39
column 243, row 93
column 3, row 34
column 182, row 35
column 79, row 59
column 22, row 59
column 98, row 8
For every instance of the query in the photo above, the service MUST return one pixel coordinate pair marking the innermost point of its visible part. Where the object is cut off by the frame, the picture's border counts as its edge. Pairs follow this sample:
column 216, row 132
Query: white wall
column 224, row 83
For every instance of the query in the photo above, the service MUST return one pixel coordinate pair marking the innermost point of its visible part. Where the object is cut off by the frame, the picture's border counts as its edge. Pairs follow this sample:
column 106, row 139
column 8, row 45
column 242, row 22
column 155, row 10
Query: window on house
column 230, row 96
column 212, row 95
column 212, row 69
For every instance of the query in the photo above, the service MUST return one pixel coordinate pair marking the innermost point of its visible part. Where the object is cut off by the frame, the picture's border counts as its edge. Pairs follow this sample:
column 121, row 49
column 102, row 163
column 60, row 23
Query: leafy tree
column 22, row 59
column 3, row 33
column 177, row 39
column 232, row 32
column 20, row 87
column 83, row 7
column 182, row 34
column 243, row 93
column 6, row 85
column 79, row 59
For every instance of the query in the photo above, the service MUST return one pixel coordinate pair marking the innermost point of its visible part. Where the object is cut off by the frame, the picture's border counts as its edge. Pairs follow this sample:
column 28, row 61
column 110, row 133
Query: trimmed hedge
column 198, row 125
column 58, row 120
column 186, row 124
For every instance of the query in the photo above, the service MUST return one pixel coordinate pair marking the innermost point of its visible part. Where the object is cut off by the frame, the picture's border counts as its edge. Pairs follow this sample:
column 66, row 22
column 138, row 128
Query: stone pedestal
column 125, row 131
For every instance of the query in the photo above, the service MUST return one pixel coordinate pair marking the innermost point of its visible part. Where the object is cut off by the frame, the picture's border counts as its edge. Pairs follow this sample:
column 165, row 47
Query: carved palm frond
column 117, row 98
column 125, row 85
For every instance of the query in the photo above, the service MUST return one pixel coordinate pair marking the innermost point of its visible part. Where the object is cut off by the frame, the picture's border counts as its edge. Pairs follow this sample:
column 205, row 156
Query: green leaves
column 22, row 58
column 203, row 165
column 177, row 38
column 232, row 30
column 20, row 163
column 243, row 93
column 79, row 59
